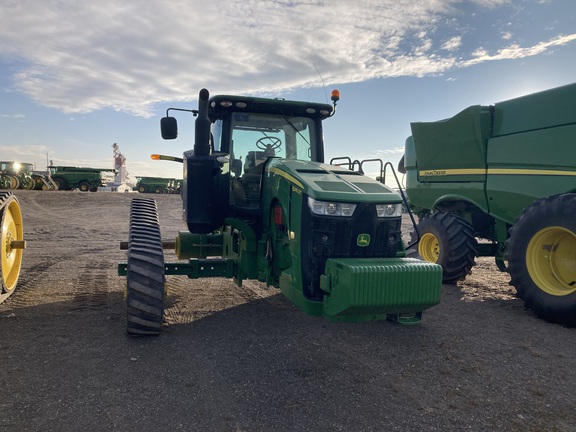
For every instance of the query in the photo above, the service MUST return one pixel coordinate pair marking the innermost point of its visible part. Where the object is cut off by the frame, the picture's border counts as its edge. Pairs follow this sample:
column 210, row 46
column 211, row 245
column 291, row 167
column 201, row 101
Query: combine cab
column 259, row 203
column 504, row 174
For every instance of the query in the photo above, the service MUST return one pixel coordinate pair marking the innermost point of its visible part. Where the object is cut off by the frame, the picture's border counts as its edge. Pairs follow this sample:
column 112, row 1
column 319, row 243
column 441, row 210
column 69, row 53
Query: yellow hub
column 551, row 260
column 12, row 244
column 429, row 247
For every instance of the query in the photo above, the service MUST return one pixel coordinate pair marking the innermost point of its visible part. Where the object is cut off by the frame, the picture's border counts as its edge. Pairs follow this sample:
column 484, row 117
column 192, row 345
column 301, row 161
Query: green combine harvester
column 505, row 175
column 158, row 185
column 259, row 203
column 83, row 179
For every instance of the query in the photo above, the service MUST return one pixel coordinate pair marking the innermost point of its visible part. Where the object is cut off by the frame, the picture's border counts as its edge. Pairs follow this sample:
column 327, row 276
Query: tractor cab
column 236, row 136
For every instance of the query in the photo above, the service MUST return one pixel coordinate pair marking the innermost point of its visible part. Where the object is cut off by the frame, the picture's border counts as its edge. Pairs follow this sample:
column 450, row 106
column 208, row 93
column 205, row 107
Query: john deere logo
column 363, row 240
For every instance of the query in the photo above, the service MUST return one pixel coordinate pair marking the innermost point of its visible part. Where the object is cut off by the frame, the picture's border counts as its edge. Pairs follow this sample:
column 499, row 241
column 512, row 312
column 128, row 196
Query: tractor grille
column 338, row 237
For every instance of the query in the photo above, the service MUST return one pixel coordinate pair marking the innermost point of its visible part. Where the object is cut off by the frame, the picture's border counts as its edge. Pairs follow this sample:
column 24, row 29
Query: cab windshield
column 255, row 137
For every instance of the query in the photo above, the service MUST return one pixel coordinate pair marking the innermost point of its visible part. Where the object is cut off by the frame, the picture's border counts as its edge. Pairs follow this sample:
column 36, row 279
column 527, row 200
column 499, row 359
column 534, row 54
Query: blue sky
column 76, row 77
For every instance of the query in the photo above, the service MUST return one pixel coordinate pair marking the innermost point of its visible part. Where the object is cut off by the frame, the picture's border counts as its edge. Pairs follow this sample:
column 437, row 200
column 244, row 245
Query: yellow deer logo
column 363, row 240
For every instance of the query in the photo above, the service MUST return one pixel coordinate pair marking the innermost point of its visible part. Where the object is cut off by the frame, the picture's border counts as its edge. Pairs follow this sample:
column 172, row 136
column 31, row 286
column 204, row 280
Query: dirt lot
column 245, row 359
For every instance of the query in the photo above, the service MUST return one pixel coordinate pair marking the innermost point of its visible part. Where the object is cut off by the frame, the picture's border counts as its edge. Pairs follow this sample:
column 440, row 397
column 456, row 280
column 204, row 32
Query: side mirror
column 401, row 167
column 169, row 128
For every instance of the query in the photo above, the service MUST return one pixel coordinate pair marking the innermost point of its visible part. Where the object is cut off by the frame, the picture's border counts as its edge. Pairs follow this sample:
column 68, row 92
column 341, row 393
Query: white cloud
column 452, row 44
column 13, row 116
column 24, row 153
column 130, row 56
column 517, row 52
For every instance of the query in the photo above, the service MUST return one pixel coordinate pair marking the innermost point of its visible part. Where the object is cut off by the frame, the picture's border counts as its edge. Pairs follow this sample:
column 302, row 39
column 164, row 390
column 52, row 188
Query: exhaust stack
column 202, row 132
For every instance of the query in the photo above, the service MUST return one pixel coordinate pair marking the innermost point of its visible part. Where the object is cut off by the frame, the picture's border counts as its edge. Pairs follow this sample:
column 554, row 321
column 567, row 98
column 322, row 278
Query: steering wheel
column 269, row 145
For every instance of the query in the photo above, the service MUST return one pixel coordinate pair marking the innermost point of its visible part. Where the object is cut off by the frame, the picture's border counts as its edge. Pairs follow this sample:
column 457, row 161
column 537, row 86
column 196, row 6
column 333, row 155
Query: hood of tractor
column 328, row 182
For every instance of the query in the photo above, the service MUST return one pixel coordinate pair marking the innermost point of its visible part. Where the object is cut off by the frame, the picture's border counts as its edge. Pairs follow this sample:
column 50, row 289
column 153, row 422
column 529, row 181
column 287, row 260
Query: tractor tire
column 448, row 240
column 11, row 231
column 542, row 258
column 84, row 186
column 158, row 190
column 145, row 271
column 143, row 189
column 60, row 183
column 14, row 182
column 29, row 184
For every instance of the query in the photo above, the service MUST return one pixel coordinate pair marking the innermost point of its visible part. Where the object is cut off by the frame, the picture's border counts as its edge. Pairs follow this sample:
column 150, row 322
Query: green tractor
column 501, row 181
column 83, row 179
column 158, row 185
column 259, row 203
column 16, row 175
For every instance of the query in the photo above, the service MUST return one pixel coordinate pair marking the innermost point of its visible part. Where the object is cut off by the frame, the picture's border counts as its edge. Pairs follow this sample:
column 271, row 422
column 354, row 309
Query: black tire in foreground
column 542, row 258
column 448, row 240
column 145, row 272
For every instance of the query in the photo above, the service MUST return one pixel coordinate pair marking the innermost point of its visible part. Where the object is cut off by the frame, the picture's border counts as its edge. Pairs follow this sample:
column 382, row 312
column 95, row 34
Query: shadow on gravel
column 264, row 365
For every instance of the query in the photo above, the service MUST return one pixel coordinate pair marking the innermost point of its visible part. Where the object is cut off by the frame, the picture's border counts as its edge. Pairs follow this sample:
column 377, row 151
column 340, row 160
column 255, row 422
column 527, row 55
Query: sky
column 77, row 77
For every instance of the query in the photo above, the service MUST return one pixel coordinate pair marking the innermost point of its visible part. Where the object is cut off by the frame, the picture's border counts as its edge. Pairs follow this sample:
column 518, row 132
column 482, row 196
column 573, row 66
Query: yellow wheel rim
column 12, row 231
column 429, row 247
column 551, row 260
column 14, row 183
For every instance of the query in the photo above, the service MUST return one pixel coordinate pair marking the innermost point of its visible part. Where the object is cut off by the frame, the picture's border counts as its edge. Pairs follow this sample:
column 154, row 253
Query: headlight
column 331, row 208
column 389, row 210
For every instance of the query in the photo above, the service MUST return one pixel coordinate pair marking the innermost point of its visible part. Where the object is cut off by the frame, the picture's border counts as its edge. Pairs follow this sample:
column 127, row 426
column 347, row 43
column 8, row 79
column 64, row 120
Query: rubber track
column 145, row 278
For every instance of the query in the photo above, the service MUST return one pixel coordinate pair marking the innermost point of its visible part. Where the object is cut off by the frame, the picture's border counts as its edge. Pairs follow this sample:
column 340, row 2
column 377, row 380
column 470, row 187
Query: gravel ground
column 245, row 359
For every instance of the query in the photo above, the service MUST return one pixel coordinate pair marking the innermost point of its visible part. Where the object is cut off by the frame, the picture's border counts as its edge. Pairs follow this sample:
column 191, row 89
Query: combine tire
column 145, row 273
column 542, row 258
column 158, row 190
column 84, row 186
column 60, row 183
column 448, row 240
column 143, row 189
column 12, row 234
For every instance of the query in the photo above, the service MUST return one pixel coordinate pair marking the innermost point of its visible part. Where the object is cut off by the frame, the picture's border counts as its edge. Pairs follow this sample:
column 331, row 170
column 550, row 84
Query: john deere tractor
column 15, row 175
column 259, row 203
column 12, row 243
column 501, row 181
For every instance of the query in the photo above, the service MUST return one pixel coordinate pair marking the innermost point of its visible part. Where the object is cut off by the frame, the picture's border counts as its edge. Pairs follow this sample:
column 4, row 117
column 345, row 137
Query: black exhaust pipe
column 206, row 187
column 202, row 132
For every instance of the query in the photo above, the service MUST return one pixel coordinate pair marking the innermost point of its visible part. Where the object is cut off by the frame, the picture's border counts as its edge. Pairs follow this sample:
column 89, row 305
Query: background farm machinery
column 158, row 185
column 21, row 175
